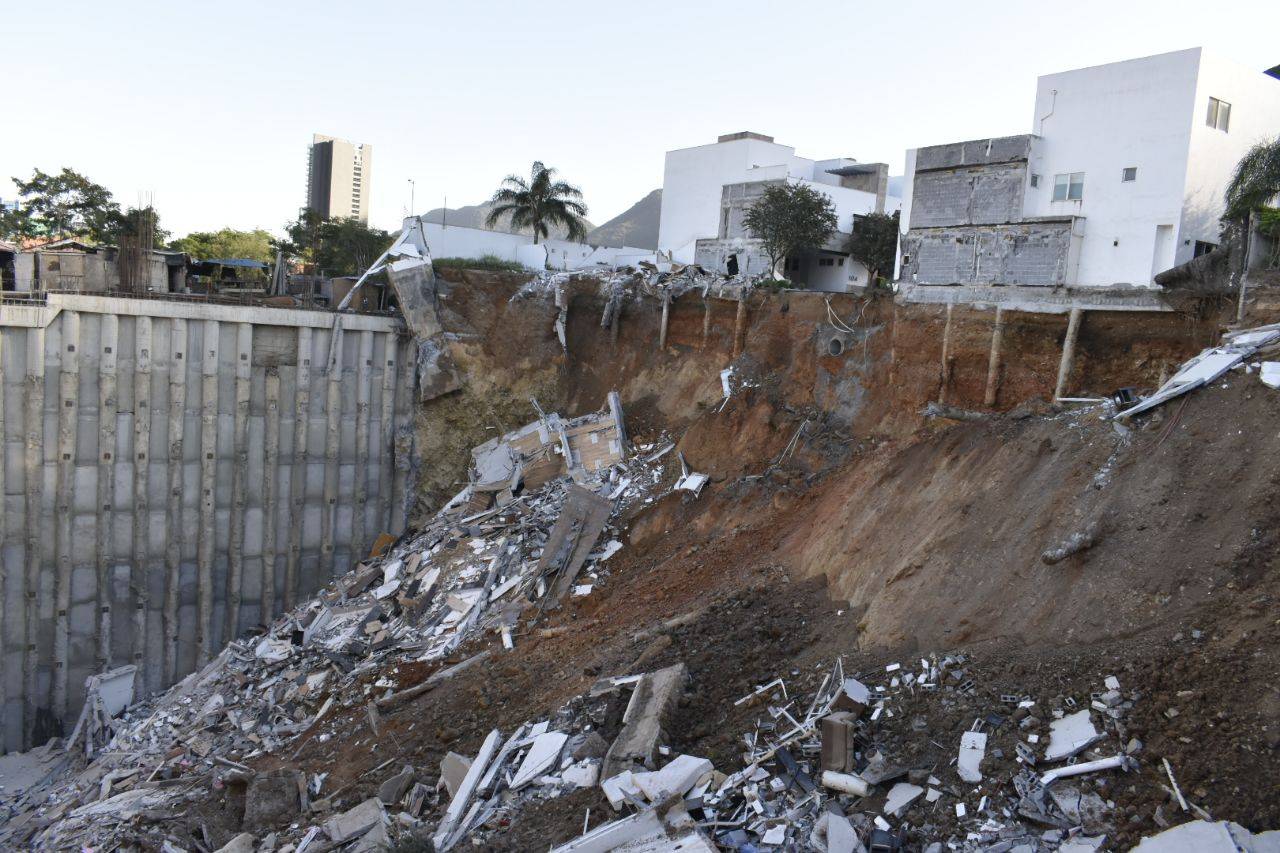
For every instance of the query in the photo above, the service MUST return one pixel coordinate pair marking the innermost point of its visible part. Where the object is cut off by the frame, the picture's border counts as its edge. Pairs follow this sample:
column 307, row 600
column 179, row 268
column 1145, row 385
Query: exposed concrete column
column 270, row 477
column 740, row 325
column 109, row 334
column 298, row 475
column 386, row 444
column 63, row 509
column 138, row 585
column 333, row 425
column 174, row 540
column 666, row 317
column 404, row 410
column 33, row 474
column 4, row 567
column 363, row 366
column 208, row 466
column 1068, row 352
column 946, row 359
column 239, row 470
column 993, row 361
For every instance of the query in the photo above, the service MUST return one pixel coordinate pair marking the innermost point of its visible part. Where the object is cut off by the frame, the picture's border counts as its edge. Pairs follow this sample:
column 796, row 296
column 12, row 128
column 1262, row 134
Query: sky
column 209, row 108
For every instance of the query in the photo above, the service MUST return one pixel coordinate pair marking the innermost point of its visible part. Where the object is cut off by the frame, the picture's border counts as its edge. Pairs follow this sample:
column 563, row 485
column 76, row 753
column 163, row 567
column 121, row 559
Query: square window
column 1035, row 181
column 1068, row 187
column 1219, row 115
column 1129, row 174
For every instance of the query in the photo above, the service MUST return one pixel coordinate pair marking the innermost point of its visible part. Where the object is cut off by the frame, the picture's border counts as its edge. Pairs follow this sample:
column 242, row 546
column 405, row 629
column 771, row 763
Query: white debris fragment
column 973, row 746
column 900, row 796
column 1070, row 735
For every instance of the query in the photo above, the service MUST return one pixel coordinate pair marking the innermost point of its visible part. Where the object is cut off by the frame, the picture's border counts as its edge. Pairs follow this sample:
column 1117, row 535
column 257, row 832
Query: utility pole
column 412, row 187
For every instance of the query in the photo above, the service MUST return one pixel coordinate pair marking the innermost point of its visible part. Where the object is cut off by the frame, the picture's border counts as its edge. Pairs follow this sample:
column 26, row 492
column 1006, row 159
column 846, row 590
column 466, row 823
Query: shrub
column 492, row 263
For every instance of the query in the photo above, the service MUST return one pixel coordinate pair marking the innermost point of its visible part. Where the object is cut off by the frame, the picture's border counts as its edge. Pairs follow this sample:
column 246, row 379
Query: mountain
column 637, row 226
column 472, row 216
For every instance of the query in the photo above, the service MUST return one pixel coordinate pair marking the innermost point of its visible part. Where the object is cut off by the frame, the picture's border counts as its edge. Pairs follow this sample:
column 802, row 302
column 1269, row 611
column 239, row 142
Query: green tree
column 335, row 246
column 1255, row 182
column 539, row 204
column 227, row 243
column 66, row 204
column 874, row 242
column 789, row 218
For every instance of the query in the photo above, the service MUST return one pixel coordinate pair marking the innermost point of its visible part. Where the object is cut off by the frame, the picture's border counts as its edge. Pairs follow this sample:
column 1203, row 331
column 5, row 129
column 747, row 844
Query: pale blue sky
column 211, row 106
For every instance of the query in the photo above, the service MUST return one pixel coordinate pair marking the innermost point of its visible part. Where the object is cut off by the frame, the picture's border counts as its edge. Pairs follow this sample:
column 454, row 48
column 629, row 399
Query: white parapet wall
column 176, row 473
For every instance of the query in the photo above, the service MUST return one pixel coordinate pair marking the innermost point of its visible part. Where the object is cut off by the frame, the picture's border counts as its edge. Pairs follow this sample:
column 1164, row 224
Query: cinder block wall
column 174, row 474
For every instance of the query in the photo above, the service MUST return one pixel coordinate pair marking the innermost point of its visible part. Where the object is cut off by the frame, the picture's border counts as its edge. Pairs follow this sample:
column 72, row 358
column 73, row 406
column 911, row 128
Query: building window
column 1219, row 115
column 1204, row 248
column 1069, row 187
column 1035, row 180
column 1129, row 175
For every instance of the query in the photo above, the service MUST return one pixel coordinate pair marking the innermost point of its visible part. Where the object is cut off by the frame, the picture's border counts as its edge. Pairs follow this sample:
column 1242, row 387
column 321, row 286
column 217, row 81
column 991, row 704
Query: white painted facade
column 454, row 241
column 693, row 180
column 1148, row 115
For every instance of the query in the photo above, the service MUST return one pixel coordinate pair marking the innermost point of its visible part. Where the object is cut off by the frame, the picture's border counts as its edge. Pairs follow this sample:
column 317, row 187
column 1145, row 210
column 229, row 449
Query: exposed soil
column 838, row 522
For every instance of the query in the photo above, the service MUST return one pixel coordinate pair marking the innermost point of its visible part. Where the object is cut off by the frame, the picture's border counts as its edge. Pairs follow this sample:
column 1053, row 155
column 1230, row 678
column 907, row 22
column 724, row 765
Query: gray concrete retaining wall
column 176, row 473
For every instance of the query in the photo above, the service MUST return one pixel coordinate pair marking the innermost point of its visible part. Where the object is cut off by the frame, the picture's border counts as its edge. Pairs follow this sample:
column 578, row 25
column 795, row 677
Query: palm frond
column 1256, row 180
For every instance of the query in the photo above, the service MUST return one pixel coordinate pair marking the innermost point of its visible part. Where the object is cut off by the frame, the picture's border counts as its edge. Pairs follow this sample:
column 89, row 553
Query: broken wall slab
column 652, row 701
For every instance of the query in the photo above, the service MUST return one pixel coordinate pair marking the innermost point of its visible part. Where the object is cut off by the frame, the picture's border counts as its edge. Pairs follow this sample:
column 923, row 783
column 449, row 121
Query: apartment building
column 338, row 177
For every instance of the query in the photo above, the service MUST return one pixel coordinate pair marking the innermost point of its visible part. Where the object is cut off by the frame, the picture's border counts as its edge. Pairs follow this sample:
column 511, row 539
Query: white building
column 707, row 188
column 1122, row 177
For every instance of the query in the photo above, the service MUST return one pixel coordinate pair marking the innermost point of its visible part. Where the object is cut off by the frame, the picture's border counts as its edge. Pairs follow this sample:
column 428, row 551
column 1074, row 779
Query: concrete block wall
column 176, row 473
column 975, row 195
column 1030, row 253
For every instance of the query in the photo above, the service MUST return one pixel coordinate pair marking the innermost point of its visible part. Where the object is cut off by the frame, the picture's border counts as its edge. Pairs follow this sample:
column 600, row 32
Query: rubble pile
column 469, row 573
column 827, row 772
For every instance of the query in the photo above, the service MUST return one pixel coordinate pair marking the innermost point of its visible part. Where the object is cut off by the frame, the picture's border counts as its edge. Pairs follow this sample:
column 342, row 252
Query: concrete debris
column 550, row 447
column 356, row 821
column 1270, row 374
column 1203, row 836
column 973, row 746
column 1070, row 735
column 652, row 701
column 472, row 572
column 1210, row 364
column 690, row 481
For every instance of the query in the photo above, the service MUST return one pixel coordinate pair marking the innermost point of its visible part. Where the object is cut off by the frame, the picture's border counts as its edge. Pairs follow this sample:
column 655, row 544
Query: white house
column 1121, row 177
column 707, row 188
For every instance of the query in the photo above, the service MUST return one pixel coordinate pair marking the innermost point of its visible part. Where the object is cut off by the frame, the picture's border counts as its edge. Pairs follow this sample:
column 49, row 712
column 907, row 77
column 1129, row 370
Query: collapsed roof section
column 548, row 448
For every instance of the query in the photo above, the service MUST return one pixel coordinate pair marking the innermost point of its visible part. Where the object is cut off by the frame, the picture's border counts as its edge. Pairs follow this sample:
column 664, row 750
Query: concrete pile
column 464, row 576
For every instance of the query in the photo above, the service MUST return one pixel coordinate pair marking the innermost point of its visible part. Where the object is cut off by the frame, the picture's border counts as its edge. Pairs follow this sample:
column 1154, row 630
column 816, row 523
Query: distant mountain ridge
column 637, row 226
column 472, row 216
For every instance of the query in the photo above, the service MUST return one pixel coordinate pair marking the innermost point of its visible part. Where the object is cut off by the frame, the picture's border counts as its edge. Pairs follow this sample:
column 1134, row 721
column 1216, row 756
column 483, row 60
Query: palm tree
column 1254, row 184
column 539, row 203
